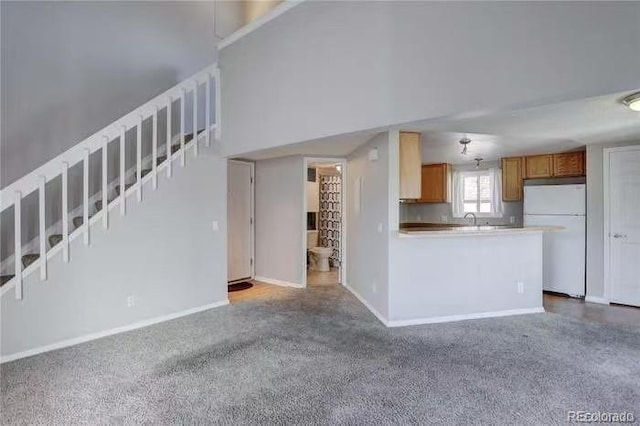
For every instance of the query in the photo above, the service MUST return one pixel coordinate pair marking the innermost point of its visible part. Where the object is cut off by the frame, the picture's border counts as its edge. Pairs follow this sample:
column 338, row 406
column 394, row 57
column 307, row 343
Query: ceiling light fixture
column 478, row 160
column 632, row 101
column 464, row 142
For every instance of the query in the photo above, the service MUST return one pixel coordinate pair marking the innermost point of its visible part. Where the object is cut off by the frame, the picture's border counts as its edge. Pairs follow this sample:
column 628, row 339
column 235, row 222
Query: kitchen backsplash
column 442, row 213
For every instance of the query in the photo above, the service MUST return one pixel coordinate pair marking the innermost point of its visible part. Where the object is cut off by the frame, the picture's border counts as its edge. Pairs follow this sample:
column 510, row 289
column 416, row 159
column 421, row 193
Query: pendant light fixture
column 464, row 142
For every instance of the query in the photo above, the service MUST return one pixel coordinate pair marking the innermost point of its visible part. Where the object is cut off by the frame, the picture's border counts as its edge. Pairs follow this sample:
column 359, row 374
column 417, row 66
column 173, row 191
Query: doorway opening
column 240, row 225
column 324, row 219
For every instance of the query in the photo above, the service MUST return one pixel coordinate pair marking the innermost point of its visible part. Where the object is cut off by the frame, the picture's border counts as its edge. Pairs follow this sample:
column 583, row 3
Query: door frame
column 252, row 212
column 343, row 208
column 606, row 186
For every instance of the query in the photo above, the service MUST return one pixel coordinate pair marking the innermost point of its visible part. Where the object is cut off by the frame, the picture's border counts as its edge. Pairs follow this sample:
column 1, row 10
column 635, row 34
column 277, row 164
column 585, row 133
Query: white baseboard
column 596, row 299
column 453, row 318
column 278, row 282
column 117, row 330
column 373, row 310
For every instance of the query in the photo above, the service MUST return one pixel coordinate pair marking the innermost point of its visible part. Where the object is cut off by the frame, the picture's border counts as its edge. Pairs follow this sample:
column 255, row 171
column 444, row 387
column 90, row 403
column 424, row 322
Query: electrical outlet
column 215, row 225
column 380, row 227
column 520, row 285
column 375, row 287
column 419, row 218
column 512, row 219
column 444, row 218
column 131, row 301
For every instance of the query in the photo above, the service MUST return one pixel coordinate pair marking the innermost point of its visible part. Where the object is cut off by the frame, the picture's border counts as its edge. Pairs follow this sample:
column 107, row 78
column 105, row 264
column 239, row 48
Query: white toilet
column 320, row 254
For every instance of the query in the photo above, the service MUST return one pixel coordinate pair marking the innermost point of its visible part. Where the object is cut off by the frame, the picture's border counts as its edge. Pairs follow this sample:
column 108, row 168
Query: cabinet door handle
column 619, row 236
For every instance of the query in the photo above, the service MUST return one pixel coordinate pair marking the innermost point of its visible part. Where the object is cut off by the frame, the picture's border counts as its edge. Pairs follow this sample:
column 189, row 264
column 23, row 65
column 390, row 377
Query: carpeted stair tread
column 126, row 187
column 28, row 259
column 161, row 159
column 189, row 136
column 78, row 221
column 5, row 278
column 55, row 239
column 175, row 148
column 98, row 204
column 145, row 172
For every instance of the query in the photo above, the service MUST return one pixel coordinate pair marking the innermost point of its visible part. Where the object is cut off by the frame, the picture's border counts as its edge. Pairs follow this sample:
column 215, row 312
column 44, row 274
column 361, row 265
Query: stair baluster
column 65, row 212
column 139, row 157
column 105, row 182
column 43, row 228
column 218, row 129
column 169, row 151
column 123, row 190
column 154, row 147
column 17, row 251
column 207, row 110
column 85, row 202
column 195, row 118
column 183, row 97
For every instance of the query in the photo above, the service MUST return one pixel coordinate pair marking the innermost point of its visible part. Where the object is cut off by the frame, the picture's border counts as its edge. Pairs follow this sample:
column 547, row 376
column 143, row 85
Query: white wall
column 163, row 252
column 326, row 68
column 71, row 68
column 595, row 218
column 435, row 277
column 367, row 245
column 279, row 227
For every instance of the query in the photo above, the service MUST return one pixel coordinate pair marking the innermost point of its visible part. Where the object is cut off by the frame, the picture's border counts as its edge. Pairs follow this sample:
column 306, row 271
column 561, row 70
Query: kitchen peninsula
column 464, row 272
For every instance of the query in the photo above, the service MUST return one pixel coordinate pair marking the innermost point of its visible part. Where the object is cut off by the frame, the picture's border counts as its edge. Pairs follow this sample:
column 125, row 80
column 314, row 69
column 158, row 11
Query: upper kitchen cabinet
column 436, row 183
column 568, row 164
column 512, row 176
column 410, row 165
column 539, row 166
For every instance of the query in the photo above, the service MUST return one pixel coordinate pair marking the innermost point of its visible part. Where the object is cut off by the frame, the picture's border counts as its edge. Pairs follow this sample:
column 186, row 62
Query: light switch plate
column 215, row 225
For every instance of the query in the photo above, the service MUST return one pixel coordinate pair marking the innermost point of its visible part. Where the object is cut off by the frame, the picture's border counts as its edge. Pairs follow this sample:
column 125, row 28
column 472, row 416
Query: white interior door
column 624, row 226
column 239, row 220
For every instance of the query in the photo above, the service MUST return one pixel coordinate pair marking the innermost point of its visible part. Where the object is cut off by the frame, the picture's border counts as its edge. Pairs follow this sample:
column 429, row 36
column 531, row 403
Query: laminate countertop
column 444, row 229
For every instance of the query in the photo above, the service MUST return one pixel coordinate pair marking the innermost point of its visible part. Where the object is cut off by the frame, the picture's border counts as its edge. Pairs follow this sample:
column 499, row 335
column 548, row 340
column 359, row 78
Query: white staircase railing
column 14, row 193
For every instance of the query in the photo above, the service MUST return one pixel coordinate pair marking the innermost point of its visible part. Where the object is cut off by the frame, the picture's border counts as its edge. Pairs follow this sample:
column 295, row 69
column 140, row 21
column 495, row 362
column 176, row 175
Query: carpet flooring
column 317, row 356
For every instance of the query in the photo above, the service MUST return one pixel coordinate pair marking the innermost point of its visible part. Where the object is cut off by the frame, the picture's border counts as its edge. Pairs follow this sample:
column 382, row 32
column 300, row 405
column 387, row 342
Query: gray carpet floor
column 317, row 356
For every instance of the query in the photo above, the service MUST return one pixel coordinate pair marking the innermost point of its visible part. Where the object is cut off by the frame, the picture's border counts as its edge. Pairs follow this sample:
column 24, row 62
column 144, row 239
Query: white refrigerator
column 564, row 252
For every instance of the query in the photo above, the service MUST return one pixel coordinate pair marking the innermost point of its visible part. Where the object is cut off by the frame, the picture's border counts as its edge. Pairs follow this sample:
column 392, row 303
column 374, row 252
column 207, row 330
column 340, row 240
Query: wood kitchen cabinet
column 512, row 178
column 539, row 166
column 410, row 165
column 516, row 169
column 436, row 183
column 568, row 164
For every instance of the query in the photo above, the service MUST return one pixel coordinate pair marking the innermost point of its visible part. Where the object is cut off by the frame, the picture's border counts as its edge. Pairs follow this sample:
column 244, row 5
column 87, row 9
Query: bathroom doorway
column 323, row 202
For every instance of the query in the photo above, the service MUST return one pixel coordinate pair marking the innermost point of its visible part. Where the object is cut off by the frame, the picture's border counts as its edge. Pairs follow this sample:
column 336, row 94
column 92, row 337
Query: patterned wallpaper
column 330, row 219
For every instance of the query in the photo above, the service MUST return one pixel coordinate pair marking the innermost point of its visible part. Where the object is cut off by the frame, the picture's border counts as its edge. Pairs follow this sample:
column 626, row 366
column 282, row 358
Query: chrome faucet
column 475, row 220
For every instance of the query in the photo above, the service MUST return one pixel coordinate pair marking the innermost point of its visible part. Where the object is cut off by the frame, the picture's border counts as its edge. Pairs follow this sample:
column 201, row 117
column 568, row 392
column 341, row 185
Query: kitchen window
column 477, row 192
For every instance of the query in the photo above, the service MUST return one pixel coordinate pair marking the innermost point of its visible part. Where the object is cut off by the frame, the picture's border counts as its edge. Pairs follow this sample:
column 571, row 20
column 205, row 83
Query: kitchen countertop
column 445, row 229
